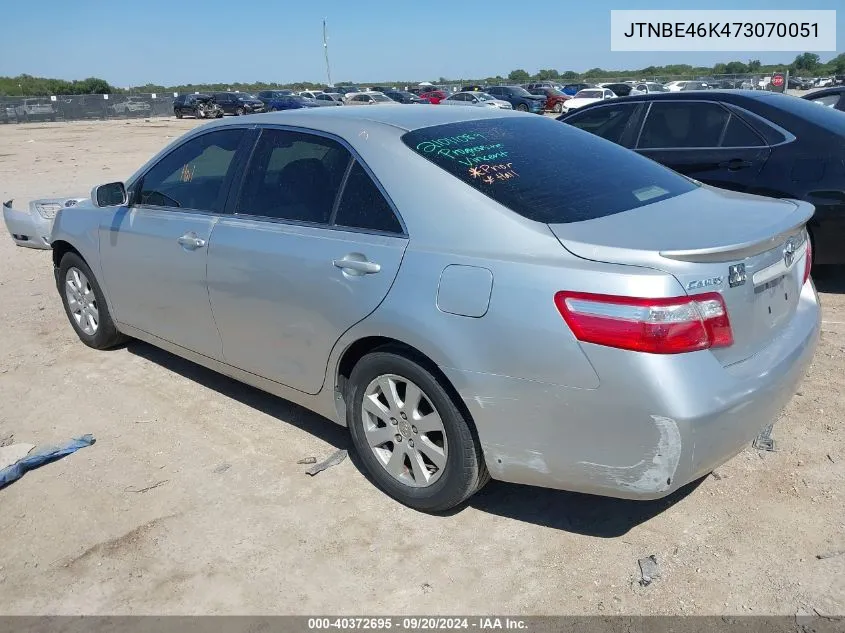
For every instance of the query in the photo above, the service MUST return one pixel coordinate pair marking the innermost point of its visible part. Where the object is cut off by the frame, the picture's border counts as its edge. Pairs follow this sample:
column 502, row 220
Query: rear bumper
column 654, row 424
column 28, row 228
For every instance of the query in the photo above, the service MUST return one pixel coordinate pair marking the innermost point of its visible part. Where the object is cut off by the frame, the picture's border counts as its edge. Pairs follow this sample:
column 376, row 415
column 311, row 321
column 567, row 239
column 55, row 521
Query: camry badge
column 736, row 275
column 705, row 283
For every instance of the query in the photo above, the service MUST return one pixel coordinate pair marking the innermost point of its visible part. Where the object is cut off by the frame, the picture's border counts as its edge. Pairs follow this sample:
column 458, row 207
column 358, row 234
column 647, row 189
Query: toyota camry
column 570, row 314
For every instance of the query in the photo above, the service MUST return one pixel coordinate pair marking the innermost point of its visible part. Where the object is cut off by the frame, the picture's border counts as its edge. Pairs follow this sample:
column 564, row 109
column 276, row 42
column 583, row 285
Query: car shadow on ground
column 829, row 279
column 276, row 407
column 589, row 515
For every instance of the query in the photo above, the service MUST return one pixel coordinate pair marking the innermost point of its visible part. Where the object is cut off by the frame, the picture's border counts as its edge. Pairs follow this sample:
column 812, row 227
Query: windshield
column 483, row 96
column 545, row 171
column 380, row 97
column 522, row 92
column 245, row 96
column 655, row 88
column 589, row 94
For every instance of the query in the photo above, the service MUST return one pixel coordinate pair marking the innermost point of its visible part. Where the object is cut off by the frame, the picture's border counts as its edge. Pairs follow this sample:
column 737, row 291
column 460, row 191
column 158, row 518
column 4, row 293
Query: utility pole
column 326, row 51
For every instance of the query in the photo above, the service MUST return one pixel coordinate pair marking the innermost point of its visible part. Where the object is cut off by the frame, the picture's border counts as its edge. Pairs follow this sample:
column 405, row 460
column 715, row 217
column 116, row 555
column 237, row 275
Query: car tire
column 239, row 111
column 104, row 334
column 558, row 107
column 522, row 107
column 178, row 114
column 449, row 438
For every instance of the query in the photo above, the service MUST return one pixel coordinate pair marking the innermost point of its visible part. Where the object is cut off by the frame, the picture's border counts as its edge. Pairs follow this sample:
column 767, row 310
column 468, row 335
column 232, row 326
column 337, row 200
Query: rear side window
column 738, row 134
column 607, row 121
column 683, row 124
column 546, row 171
column 293, row 176
column 362, row 206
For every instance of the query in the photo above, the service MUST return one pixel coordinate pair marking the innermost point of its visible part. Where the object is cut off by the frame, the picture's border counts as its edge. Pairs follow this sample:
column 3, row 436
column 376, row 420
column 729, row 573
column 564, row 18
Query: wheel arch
column 363, row 346
column 62, row 248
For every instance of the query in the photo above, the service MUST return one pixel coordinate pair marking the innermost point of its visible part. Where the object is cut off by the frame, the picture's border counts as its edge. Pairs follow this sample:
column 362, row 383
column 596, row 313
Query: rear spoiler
column 740, row 250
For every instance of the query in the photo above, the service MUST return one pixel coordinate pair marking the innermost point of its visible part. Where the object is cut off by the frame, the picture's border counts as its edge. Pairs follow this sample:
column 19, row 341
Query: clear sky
column 197, row 41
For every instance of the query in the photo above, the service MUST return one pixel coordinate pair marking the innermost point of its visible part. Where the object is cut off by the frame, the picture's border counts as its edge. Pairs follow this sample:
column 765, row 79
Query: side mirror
column 112, row 194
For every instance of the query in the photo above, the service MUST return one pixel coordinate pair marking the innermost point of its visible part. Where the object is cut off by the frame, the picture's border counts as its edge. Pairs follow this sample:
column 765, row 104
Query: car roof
column 351, row 120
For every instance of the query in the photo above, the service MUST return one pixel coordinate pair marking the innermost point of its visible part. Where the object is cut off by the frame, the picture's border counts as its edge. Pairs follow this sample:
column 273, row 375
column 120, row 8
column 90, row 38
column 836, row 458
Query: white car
column 479, row 99
column 827, row 81
column 675, row 86
column 649, row 87
column 586, row 97
column 310, row 94
column 368, row 98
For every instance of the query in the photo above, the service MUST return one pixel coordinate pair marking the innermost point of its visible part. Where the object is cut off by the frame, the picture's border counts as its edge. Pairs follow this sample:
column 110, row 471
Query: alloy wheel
column 81, row 301
column 404, row 430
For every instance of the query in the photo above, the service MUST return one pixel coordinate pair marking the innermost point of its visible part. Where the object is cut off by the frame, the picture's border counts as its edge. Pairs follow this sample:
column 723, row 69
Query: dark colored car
column 264, row 95
column 381, row 89
column 757, row 142
column 403, row 96
column 289, row 102
column 830, row 97
column 554, row 98
column 571, row 89
column 433, row 96
column 519, row 98
column 471, row 89
column 238, row 103
column 201, row 106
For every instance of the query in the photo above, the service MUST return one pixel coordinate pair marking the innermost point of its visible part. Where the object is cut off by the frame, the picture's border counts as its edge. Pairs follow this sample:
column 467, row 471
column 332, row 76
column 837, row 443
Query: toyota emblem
column 789, row 253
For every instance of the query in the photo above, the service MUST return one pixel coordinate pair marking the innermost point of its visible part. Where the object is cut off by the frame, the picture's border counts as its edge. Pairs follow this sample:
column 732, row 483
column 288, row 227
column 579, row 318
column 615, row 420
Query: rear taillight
column 808, row 261
column 656, row 326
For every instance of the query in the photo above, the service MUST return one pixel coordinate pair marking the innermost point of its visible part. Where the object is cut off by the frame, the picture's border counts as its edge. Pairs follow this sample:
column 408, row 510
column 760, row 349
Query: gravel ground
column 232, row 524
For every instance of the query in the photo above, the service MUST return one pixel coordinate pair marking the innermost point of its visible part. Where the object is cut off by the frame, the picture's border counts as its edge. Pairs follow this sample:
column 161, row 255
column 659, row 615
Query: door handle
column 356, row 264
column 735, row 163
column 191, row 241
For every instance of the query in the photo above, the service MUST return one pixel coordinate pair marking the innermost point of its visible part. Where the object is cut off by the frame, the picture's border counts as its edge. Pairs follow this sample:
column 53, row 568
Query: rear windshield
column 828, row 118
column 546, row 171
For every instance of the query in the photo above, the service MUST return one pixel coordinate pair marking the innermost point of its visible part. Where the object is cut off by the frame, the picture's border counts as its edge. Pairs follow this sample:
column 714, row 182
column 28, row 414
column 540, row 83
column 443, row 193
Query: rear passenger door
column 703, row 140
column 311, row 247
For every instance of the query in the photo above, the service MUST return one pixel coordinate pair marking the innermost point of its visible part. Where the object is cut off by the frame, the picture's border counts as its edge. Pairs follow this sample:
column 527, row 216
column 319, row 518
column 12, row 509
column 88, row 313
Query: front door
column 311, row 249
column 153, row 252
column 705, row 141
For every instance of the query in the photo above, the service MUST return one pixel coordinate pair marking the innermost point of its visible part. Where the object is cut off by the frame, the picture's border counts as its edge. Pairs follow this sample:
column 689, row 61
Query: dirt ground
column 232, row 524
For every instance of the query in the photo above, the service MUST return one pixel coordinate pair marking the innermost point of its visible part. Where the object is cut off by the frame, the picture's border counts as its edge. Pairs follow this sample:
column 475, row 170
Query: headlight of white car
column 47, row 210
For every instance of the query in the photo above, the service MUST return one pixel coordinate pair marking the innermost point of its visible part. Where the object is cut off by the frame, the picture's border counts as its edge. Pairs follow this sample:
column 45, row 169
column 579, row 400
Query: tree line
column 808, row 64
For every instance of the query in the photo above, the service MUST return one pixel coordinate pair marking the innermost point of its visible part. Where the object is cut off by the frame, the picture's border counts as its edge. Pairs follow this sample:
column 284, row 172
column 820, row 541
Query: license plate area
column 775, row 301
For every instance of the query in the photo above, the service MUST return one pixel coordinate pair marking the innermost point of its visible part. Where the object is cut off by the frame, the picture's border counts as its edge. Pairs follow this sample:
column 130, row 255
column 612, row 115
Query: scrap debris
column 831, row 554
column 764, row 441
column 649, row 571
column 307, row 460
column 42, row 456
column 221, row 468
column 155, row 485
column 334, row 460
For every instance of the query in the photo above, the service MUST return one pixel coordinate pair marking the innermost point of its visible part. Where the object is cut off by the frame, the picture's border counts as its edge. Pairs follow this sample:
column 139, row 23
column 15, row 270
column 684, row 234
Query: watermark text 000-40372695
column 727, row 30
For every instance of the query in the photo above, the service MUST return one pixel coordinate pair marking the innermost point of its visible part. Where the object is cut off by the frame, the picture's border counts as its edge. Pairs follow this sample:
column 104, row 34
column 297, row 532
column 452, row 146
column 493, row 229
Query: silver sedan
column 568, row 314
column 477, row 99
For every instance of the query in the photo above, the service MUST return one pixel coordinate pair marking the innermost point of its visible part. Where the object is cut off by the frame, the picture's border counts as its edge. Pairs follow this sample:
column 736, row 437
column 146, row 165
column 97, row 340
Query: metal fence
column 80, row 107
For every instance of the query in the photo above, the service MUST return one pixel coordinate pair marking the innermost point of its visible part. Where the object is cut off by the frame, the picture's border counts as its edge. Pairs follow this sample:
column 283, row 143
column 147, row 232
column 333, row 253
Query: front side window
column 293, row 176
column 545, row 171
column 192, row 176
column 683, row 124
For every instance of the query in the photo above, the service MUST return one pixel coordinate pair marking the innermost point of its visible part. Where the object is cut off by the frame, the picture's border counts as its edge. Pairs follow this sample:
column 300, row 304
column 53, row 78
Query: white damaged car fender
column 32, row 228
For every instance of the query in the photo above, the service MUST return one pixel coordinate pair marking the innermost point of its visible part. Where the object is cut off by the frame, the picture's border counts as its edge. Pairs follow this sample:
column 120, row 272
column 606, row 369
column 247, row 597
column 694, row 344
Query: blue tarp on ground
column 42, row 456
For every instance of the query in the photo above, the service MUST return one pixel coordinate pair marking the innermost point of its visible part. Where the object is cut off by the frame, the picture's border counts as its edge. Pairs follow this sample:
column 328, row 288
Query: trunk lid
column 707, row 239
